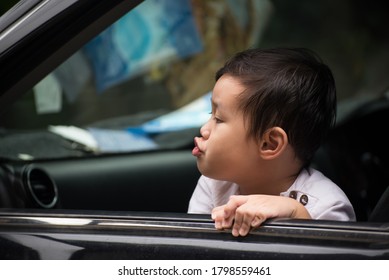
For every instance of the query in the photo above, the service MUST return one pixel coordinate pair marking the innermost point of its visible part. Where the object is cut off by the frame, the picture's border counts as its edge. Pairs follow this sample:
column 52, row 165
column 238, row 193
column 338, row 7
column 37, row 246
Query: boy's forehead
column 216, row 100
column 225, row 101
column 226, row 92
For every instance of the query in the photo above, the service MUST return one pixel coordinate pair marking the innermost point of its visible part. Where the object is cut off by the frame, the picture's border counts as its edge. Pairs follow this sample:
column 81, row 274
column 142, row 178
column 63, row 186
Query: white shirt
column 322, row 198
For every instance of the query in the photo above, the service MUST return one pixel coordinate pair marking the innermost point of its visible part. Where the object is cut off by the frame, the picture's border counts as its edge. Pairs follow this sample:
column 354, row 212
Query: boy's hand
column 242, row 212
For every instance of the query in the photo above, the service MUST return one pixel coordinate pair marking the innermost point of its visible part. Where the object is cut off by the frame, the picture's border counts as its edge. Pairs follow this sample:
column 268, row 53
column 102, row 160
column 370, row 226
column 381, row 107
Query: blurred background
column 350, row 35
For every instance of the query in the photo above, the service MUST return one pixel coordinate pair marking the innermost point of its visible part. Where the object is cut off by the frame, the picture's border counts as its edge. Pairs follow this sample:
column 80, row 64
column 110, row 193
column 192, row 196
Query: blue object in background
column 121, row 141
column 192, row 115
column 157, row 31
column 181, row 27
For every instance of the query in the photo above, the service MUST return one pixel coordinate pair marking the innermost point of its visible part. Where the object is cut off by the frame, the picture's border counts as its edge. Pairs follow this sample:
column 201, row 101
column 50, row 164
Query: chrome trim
column 102, row 223
column 21, row 20
column 280, row 230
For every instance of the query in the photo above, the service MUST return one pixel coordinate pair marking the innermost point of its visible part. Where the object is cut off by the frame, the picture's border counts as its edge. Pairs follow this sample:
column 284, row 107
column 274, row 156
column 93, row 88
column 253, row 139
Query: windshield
column 145, row 82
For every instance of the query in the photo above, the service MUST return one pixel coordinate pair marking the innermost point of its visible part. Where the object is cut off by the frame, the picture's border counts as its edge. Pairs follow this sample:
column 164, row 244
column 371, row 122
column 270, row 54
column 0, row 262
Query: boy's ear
column 273, row 143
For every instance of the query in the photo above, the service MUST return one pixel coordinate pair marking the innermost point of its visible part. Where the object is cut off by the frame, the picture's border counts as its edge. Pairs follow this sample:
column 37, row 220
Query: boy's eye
column 217, row 120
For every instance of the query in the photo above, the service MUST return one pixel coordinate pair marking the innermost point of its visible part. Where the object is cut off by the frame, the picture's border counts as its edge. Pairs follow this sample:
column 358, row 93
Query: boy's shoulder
column 314, row 182
column 316, row 191
column 321, row 196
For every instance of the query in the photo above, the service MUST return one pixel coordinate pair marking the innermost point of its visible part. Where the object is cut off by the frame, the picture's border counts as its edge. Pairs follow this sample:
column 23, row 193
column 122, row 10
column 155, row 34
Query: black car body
column 133, row 205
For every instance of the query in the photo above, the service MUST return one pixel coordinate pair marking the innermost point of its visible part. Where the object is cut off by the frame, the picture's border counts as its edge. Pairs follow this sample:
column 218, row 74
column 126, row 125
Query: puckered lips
column 196, row 150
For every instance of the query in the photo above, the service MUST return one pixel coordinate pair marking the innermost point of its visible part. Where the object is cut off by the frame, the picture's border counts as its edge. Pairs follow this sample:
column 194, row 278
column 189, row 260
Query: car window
column 142, row 84
column 138, row 85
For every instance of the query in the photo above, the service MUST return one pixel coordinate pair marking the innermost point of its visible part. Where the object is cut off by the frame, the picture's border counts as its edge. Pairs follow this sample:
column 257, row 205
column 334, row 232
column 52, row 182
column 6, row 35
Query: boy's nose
column 204, row 131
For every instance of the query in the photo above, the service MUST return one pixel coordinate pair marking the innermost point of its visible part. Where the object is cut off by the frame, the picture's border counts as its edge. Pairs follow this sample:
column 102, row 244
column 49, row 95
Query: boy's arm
column 242, row 212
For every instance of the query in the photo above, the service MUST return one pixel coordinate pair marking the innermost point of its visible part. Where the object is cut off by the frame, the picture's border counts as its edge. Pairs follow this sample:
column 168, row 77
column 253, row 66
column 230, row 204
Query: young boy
column 271, row 109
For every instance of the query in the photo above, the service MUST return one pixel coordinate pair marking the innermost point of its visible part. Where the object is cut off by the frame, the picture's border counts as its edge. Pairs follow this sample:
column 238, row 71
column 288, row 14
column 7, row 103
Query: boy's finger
column 218, row 224
column 246, row 225
column 237, row 224
column 227, row 221
column 234, row 202
column 256, row 222
column 216, row 212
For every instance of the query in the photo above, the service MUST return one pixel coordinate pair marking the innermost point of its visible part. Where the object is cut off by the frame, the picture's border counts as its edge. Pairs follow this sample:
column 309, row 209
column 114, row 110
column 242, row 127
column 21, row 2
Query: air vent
column 41, row 187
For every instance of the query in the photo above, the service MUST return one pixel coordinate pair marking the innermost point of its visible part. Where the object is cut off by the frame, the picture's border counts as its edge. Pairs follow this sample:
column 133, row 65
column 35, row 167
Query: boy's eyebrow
column 214, row 104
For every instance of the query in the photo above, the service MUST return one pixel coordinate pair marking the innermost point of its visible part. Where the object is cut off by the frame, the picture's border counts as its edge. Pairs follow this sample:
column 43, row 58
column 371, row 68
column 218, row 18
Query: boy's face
column 224, row 151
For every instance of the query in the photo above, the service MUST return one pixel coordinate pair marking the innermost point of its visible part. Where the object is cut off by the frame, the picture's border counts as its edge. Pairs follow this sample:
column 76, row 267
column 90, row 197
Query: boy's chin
column 211, row 174
column 204, row 171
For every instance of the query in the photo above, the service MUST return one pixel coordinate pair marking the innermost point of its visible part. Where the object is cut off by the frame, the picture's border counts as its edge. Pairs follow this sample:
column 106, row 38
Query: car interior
column 356, row 158
column 45, row 170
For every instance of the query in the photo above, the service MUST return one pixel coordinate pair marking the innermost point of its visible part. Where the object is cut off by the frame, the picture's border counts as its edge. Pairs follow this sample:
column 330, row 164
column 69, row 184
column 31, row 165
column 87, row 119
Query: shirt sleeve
column 201, row 201
column 340, row 211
